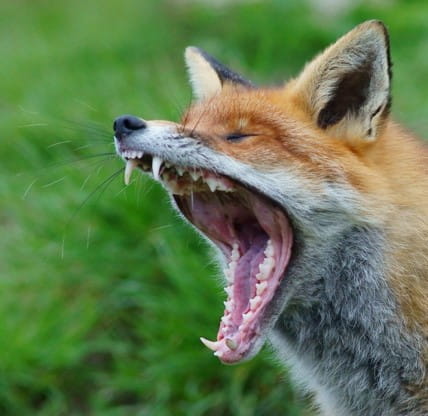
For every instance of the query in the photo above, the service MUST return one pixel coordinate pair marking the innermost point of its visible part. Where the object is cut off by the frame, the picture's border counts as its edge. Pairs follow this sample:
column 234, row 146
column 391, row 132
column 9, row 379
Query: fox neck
column 343, row 332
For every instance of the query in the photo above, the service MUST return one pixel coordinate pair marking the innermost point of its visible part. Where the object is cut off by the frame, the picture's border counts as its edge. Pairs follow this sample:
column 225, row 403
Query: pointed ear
column 207, row 75
column 347, row 88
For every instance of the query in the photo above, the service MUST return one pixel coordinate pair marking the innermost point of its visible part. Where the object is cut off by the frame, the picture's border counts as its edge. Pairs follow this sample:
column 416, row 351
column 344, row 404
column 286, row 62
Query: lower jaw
column 246, row 337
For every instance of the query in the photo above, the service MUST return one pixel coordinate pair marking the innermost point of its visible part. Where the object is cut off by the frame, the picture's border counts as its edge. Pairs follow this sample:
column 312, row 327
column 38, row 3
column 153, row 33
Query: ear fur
column 347, row 88
column 207, row 75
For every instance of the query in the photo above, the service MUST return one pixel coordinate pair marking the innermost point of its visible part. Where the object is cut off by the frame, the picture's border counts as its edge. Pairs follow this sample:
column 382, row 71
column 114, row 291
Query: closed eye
column 236, row 137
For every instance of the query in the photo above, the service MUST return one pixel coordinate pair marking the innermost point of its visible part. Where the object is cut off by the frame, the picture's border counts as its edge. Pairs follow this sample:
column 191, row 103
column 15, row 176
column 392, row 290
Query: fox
column 316, row 203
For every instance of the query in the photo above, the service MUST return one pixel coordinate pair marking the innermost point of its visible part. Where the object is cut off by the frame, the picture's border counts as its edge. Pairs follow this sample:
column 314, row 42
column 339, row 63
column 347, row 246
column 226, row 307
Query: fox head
column 275, row 178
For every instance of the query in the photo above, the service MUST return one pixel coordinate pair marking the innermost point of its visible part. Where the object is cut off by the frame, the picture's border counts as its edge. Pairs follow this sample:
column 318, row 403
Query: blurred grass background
column 104, row 293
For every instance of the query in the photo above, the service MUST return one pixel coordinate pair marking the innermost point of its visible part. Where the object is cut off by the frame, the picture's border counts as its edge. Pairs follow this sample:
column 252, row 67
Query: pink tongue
column 245, row 280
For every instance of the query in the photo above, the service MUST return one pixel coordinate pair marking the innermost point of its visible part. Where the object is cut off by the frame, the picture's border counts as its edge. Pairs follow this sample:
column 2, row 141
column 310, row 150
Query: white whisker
column 29, row 188
column 88, row 236
column 58, row 143
column 33, row 125
column 62, row 247
column 54, row 182
column 85, row 181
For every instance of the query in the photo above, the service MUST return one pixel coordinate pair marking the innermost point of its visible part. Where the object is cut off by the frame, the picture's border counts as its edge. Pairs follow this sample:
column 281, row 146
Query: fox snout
column 127, row 124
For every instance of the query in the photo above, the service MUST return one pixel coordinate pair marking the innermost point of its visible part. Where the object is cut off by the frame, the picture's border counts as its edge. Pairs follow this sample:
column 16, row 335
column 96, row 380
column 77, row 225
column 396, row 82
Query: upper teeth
column 131, row 164
column 175, row 184
column 156, row 167
column 132, row 154
column 194, row 175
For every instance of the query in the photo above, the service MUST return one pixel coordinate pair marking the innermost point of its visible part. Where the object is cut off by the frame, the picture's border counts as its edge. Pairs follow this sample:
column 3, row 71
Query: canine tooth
column 131, row 164
column 231, row 343
column 156, row 166
column 167, row 164
column 212, row 345
column 260, row 288
column 255, row 302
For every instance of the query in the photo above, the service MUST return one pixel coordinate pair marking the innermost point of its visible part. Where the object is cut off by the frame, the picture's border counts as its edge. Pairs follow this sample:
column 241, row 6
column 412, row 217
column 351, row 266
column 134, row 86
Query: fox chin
column 317, row 203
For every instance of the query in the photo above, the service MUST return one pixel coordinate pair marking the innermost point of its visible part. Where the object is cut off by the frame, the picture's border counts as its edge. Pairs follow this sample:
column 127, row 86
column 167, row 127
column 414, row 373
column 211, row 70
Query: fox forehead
column 237, row 108
column 279, row 132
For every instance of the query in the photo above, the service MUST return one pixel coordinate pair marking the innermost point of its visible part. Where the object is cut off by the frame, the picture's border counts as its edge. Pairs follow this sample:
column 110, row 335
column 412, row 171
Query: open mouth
column 254, row 236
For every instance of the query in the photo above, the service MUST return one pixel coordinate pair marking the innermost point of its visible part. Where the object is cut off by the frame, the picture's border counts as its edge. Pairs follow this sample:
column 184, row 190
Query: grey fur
column 343, row 326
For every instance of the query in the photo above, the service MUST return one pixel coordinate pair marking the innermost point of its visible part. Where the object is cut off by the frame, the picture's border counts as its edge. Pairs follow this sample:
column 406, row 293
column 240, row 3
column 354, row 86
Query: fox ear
column 347, row 88
column 207, row 75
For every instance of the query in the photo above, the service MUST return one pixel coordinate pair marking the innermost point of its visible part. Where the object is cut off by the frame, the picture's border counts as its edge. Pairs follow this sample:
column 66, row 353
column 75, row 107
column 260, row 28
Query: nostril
column 134, row 123
column 127, row 124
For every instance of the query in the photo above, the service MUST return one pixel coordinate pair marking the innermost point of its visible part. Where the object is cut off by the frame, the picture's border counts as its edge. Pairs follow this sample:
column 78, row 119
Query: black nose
column 127, row 124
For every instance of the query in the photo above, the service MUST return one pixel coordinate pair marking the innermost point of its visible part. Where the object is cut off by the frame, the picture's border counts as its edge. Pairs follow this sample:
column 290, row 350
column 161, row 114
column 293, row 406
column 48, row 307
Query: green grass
column 102, row 304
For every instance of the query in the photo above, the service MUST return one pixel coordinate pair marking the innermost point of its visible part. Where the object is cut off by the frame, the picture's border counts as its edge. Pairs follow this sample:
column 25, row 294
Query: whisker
column 107, row 156
column 98, row 162
column 88, row 236
column 54, row 182
column 85, row 146
column 203, row 113
column 110, row 155
column 123, row 190
column 99, row 188
column 88, row 127
column 144, row 191
column 85, row 182
column 31, row 125
column 24, row 196
column 161, row 227
column 99, row 169
column 62, row 247
column 138, row 190
column 58, row 143
column 86, row 104
column 103, row 135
